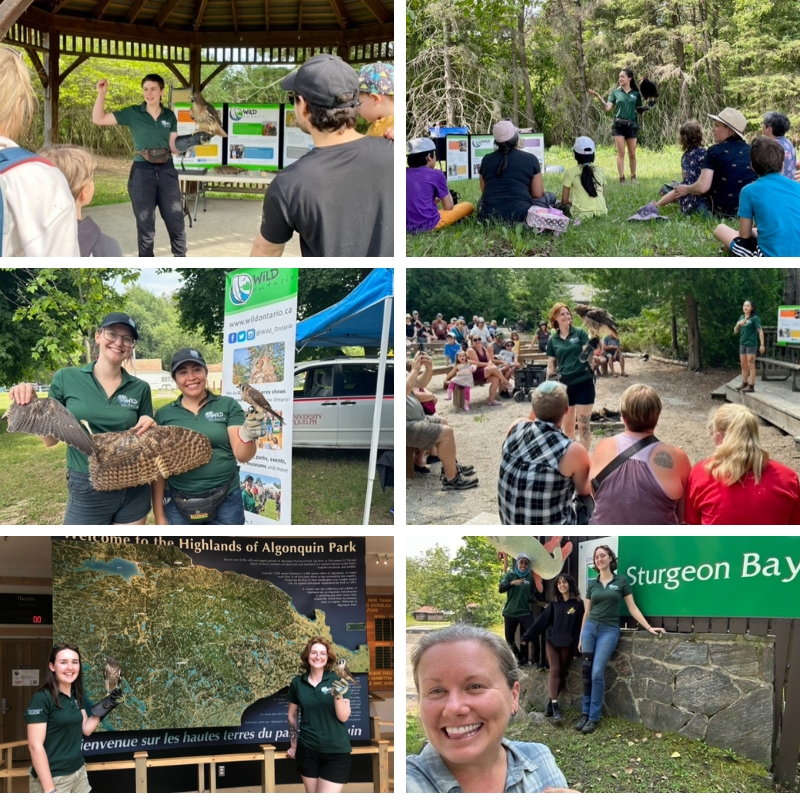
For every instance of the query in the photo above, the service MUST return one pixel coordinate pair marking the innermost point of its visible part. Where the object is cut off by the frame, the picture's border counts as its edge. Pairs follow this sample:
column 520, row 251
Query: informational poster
column 258, row 352
column 534, row 143
column 208, row 631
column 479, row 147
column 253, row 136
column 25, row 677
column 296, row 143
column 789, row 325
column 457, row 163
column 380, row 637
column 205, row 155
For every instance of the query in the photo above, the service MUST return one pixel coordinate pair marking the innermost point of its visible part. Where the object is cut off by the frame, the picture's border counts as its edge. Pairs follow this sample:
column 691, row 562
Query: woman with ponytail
column 511, row 179
column 584, row 183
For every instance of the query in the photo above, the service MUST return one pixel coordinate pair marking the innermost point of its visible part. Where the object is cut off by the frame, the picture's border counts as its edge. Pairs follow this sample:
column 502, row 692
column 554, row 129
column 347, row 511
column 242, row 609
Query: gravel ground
column 686, row 397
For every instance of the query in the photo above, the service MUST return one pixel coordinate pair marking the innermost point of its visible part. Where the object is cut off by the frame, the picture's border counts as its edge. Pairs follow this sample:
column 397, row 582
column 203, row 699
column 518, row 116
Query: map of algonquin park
column 197, row 646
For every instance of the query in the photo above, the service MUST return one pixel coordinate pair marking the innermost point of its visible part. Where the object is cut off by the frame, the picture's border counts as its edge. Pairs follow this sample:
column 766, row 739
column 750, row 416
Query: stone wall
column 717, row 688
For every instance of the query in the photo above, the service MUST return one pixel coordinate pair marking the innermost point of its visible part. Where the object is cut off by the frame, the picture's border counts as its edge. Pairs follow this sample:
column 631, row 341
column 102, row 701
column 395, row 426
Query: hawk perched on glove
column 206, row 117
column 258, row 401
column 597, row 321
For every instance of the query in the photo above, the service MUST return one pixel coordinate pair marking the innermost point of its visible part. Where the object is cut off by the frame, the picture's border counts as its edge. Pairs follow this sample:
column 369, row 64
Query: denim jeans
column 230, row 512
column 601, row 640
column 87, row 506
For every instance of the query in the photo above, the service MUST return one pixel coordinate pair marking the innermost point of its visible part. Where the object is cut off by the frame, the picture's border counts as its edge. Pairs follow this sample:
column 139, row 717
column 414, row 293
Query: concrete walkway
column 227, row 228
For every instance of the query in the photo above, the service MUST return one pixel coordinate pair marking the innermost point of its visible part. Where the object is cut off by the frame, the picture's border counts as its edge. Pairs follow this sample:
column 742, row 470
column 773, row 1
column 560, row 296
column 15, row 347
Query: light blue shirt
column 531, row 768
column 773, row 203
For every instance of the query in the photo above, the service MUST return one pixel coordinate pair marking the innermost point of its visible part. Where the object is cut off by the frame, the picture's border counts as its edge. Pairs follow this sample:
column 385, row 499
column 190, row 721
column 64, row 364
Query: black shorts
column 581, row 394
column 628, row 131
column 746, row 248
column 331, row 767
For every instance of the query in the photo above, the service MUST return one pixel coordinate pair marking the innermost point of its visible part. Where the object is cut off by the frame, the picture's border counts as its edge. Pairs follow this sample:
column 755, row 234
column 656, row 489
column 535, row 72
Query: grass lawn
column 602, row 236
column 625, row 757
column 329, row 486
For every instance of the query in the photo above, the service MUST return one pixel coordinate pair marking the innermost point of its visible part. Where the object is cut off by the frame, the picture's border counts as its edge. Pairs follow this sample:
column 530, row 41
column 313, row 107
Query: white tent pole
column 376, row 418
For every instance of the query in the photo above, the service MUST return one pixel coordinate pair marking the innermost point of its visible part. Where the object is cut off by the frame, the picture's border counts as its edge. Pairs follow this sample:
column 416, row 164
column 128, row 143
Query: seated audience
column 740, row 484
column 612, row 352
column 583, row 187
column 542, row 337
column 505, row 357
column 486, row 372
column 452, row 348
column 771, row 204
column 776, row 126
column 543, row 473
column 648, row 488
column 692, row 160
column 439, row 328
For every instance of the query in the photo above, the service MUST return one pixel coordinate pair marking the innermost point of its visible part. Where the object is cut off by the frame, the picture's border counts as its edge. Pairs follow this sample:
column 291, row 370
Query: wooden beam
column 74, row 65
column 381, row 13
column 100, row 9
column 165, row 12
column 194, row 67
column 137, row 6
column 41, row 72
column 58, row 6
column 338, row 9
column 213, row 75
column 233, row 14
column 300, row 15
column 198, row 17
column 266, row 15
column 177, row 73
column 10, row 12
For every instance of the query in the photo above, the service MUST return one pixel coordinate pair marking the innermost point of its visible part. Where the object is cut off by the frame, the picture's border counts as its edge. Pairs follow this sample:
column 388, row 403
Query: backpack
column 9, row 158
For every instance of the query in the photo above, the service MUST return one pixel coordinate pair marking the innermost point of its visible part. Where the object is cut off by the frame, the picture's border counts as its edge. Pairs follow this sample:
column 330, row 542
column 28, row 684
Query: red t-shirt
column 774, row 501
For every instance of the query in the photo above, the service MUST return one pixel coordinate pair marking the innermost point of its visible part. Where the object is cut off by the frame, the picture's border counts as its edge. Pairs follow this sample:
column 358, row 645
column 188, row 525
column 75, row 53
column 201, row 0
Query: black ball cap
column 120, row 319
column 186, row 356
column 325, row 81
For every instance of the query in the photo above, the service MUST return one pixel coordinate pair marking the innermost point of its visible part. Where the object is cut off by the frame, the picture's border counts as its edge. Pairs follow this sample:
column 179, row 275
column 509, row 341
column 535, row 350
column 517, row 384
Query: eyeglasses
column 112, row 337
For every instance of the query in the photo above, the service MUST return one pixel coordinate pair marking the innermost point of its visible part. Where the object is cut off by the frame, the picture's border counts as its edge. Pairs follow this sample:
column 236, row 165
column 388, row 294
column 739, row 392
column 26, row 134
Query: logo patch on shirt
column 215, row 416
column 325, row 690
column 165, row 123
column 33, row 711
column 128, row 402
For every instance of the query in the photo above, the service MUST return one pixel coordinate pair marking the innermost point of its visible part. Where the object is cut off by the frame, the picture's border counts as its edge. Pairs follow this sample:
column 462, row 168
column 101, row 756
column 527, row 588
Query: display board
column 380, row 637
column 457, row 162
column 789, row 325
column 205, row 155
column 208, row 630
column 253, row 136
column 259, row 348
column 296, row 143
column 534, row 143
column 479, row 147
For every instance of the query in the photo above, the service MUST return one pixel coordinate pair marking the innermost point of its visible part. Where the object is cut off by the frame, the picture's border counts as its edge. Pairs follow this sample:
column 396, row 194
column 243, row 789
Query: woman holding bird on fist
column 319, row 707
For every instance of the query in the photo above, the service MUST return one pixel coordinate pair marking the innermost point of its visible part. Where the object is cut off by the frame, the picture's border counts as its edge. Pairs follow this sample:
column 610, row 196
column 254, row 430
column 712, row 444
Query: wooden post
column 10, row 12
column 9, row 765
column 50, row 41
column 140, row 760
column 194, row 67
column 201, row 778
column 212, row 777
column 268, row 769
column 458, row 396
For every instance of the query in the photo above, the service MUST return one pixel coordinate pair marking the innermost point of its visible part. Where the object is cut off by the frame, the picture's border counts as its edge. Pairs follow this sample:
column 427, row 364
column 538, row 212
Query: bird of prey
column 112, row 673
column 44, row 416
column 258, row 401
column 648, row 89
column 343, row 671
column 206, row 117
column 597, row 321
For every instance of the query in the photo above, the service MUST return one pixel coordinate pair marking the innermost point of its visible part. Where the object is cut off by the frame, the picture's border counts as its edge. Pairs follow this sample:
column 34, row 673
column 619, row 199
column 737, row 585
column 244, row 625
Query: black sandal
column 421, row 470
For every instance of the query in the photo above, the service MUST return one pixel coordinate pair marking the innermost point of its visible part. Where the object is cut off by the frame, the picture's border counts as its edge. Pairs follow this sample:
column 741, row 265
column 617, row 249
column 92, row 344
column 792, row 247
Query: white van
column 334, row 402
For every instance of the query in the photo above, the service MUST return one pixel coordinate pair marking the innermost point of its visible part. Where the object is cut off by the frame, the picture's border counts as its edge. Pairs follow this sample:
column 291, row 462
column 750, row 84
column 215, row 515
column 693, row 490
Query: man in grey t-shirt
column 339, row 197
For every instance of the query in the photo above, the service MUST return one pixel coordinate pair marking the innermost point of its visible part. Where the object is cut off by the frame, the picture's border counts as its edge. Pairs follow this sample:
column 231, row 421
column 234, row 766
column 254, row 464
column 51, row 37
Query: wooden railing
column 378, row 748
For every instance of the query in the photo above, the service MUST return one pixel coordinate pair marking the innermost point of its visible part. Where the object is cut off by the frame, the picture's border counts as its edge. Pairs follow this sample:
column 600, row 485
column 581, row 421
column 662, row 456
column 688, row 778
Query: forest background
column 474, row 62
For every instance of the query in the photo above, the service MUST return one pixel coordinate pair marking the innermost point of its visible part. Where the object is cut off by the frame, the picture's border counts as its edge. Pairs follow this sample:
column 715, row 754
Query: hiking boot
column 742, row 386
column 581, row 722
column 633, row 179
column 459, row 482
column 590, row 727
column 548, row 712
column 461, row 469
column 622, row 180
column 556, row 713
column 748, row 389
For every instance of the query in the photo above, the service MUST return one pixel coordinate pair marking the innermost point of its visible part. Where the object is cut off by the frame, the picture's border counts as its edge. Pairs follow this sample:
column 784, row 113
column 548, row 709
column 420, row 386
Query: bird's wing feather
column 44, row 416
column 124, row 460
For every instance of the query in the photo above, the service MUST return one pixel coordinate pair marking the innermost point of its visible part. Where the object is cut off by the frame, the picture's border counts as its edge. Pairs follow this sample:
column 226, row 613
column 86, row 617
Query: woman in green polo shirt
column 625, row 100
column 569, row 353
column 600, row 631
column 750, row 335
column 321, row 743
column 207, row 495
column 109, row 399
column 57, row 720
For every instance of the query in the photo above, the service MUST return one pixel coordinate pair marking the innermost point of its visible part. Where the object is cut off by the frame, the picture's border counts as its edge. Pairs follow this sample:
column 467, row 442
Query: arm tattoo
column 664, row 459
column 293, row 733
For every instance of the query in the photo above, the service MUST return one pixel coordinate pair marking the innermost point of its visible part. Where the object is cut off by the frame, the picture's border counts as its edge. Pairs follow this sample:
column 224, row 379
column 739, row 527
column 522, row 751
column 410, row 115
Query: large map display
column 201, row 627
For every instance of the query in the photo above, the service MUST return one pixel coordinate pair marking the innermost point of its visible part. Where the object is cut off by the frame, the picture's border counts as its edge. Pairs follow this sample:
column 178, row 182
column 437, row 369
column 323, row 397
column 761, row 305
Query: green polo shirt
column 146, row 131
column 79, row 390
column 625, row 103
column 62, row 742
column 748, row 334
column 606, row 599
column 320, row 730
column 566, row 352
column 518, row 598
column 213, row 420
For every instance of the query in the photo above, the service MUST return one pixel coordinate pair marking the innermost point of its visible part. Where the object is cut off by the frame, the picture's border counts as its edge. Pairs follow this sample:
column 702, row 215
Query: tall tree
column 429, row 580
column 476, row 577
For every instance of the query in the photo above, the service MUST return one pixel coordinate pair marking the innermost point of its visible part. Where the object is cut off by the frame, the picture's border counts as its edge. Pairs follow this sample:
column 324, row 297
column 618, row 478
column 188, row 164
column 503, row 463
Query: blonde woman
column 740, row 484
column 38, row 212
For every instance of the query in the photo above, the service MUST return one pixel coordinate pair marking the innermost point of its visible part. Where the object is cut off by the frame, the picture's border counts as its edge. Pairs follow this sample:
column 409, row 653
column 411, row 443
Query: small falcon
column 343, row 671
column 205, row 115
column 112, row 673
column 597, row 321
column 258, row 401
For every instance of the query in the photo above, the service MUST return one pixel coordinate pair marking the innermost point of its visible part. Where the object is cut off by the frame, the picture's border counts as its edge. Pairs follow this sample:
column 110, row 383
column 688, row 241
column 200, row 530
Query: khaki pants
column 77, row 783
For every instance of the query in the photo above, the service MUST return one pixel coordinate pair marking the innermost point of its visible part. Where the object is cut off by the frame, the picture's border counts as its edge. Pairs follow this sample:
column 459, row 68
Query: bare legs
column 583, row 416
column 320, row 786
column 622, row 144
column 631, row 145
column 751, row 368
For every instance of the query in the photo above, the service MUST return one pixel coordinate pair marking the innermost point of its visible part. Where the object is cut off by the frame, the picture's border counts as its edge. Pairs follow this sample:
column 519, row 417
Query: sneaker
column 461, row 469
column 448, row 397
column 590, row 727
column 466, row 407
column 548, row 712
column 748, row 389
column 459, row 482
column 622, row 180
column 581, row 722
column 556, row 713
column 742, row 386
column 633, row 179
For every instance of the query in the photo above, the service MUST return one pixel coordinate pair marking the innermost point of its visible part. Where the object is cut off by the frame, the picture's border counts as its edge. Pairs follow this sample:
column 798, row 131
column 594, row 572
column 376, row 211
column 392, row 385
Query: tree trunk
column 448, row 76
column 514, row 83
column 680, row 61
column 693, row 326
column 581, row 57
column 791, row 288
column 674, row 322
column 523, row 66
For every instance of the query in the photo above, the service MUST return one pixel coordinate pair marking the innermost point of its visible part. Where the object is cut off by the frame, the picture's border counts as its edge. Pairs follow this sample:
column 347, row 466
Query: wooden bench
column 777, row 365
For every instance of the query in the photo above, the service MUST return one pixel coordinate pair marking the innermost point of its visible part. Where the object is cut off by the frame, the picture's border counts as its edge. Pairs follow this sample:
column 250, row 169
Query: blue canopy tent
column 365, row 318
